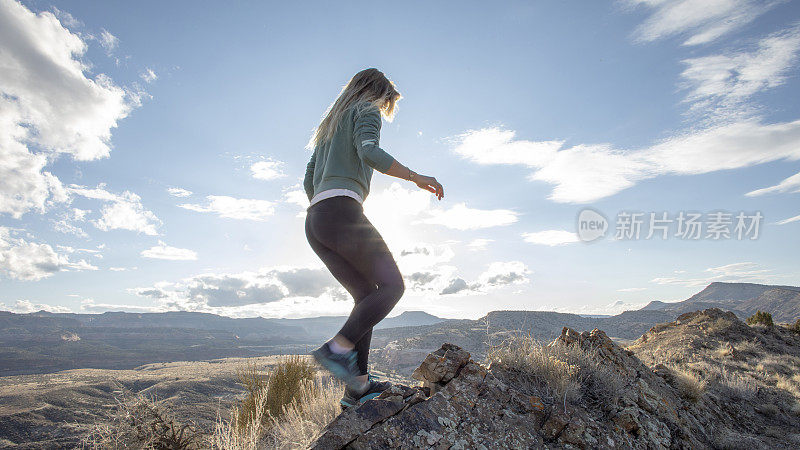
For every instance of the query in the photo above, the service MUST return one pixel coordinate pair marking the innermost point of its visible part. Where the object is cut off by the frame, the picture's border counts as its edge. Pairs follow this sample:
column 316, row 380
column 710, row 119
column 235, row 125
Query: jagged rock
column 442, row 365
column 355, row 421
column 463, row 404
column 628, row 420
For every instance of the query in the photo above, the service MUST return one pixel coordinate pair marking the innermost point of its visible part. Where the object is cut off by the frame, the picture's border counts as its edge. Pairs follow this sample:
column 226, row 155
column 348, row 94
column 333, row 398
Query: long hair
column 370, row 87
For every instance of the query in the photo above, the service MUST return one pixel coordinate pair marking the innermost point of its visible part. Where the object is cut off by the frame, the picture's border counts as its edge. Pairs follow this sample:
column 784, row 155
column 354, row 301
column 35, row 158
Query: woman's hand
column 429, row 184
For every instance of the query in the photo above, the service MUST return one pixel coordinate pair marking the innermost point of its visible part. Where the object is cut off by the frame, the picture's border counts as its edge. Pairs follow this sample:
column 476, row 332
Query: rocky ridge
column 463, row 404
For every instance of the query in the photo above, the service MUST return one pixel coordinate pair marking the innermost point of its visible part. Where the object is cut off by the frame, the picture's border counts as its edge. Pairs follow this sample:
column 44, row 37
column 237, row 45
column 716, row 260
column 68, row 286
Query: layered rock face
column 462, row 404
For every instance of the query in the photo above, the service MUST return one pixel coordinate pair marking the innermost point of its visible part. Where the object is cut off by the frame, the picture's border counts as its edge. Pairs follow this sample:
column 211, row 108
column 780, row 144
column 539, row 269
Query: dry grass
column 558, row 371
column 144, row 423
column 777, row 364
column 690, row 385
column 750, row 348
column 268, row 394
column 732, row 440
column 304, row 420
column 791, row 385
column 736, row 386
column 285, row 409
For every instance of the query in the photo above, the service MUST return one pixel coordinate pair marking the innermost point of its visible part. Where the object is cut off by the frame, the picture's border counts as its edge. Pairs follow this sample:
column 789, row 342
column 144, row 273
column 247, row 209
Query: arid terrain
column 716, row 365
column 706, row 380
column 402, row 349
column 56, row 410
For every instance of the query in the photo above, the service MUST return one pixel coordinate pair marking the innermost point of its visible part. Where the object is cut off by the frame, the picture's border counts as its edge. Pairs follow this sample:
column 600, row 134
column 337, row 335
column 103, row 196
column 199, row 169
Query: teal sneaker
column 352, row 398
column 342, row 366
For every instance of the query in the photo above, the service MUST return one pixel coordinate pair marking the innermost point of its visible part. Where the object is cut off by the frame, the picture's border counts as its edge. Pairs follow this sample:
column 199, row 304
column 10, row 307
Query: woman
column 337, row 182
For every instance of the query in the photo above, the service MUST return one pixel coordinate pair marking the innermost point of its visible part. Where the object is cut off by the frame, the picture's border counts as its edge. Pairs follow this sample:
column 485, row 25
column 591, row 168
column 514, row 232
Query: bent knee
column 395, row 289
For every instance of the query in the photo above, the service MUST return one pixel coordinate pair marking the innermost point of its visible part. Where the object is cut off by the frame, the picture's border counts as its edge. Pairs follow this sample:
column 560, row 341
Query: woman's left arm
column 308, row 181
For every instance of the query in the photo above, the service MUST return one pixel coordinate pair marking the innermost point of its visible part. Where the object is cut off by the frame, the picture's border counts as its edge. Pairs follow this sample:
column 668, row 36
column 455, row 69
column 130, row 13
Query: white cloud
column 30, row 261
column 26, row 307
column 90, row 305
column 501, row 273
column 128, row 215
column 583, row 174
column 479, row 244
column 121, row 212
column 108, row 41
column 98, row 193
column 179, row 192
column 425, row 266
column 460, row 286
column 789, row 220
column 267, row 170
column 616, row 307
column 703, row 21
column 148, row 75
column 66, row 18
column 424, row 256
column 550, row 237
column 391, row 203
column 326, row 304
column 790, row 185
column 631, row 289
column 48, row 103
column 68, row 223
column 736, row 272
column 460, row 217
column 163, row 251
column 580, row 173
column 395, row 209
column 721, row 83
column 207, row 291
column 498, row 274
column 295, row 195
column 498, row 146
column 234, row 208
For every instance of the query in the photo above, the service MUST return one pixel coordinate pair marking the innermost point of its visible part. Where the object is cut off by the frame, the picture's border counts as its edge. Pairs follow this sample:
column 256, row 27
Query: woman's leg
column 377, row 305
column 362, row 349
column 339, row 224
column 355, row 284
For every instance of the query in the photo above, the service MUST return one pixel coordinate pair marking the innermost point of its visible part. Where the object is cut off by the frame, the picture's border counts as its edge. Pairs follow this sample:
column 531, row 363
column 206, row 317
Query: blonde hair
column 367, row 88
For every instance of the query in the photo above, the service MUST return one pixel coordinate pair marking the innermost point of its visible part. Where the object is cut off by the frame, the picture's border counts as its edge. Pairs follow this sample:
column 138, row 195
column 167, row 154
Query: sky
column 152, row 153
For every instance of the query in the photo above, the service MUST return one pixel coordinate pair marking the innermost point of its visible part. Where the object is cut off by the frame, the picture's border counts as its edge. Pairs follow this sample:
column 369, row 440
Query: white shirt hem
column 328, row 193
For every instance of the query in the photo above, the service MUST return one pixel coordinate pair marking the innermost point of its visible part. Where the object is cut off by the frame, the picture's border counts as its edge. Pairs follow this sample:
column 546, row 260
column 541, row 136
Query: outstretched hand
column 430, row 184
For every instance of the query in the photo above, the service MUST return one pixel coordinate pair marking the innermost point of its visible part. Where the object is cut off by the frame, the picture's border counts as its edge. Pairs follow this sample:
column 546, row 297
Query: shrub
column 144, row 422
column 558, row 371
column 760, row 318
column 268, row 394
column 689, row 385
column 795, row 327
column 304, row 420
column 301, row 421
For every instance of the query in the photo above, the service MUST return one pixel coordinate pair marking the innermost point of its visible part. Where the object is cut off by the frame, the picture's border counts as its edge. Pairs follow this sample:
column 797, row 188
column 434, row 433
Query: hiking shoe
column 342, row 366
column 352, row 398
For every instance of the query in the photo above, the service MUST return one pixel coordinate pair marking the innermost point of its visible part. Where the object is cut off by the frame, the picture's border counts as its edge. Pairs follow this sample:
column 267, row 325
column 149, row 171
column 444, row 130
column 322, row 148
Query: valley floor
column 56, row 410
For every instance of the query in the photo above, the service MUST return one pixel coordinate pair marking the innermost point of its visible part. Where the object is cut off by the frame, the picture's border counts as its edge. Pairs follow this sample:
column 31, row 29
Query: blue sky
column 152, row 152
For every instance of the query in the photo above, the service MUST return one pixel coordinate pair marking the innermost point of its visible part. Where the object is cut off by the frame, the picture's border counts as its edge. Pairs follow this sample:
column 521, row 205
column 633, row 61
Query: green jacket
column 347, row 160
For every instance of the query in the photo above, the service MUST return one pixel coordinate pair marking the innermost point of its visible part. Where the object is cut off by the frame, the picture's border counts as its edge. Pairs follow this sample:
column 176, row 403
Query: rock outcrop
column 462, row 404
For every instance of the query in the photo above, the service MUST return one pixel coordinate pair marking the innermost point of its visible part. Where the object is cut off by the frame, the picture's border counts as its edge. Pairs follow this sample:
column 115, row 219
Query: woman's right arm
column 425, row 182
column 366, row 135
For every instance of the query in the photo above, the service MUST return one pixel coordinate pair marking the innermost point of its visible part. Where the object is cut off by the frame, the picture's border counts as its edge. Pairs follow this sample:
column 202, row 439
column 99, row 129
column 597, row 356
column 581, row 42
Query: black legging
column 356, row 255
